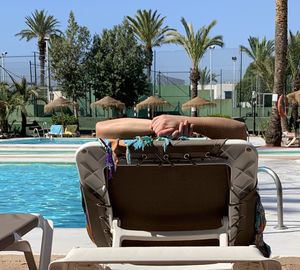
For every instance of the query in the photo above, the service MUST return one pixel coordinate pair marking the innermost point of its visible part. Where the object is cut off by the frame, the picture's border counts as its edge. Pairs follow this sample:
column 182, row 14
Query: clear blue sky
column 237, row 19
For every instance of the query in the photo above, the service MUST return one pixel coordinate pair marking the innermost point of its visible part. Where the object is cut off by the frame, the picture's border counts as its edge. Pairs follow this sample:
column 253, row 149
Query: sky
column 236, row 20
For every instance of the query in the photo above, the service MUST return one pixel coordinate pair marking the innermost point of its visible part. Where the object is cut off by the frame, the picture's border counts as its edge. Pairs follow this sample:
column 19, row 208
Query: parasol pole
column 62, row 120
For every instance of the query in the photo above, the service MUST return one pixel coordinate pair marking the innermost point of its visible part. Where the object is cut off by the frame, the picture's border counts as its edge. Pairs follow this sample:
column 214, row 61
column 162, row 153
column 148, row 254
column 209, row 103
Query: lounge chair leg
column 46, row 246
column 24, row 246
column 223, row 240
column 30, row 260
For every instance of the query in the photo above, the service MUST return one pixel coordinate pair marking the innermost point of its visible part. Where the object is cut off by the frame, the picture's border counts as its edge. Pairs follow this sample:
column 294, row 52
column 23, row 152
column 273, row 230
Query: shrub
column 263, row 126
column 64, row 118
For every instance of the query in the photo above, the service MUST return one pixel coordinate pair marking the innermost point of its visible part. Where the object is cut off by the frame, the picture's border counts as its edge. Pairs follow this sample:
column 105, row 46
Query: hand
column 185, row 129
column 171, row 125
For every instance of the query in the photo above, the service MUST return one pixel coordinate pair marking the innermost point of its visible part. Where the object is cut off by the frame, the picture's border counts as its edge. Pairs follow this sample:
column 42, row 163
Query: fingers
column 184, row 129
column 175, row 134
column 181, row 128
column 164, row 126
column 165, row 132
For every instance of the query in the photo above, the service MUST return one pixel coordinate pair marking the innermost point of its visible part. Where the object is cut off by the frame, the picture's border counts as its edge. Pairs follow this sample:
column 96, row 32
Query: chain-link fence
column 25, row 66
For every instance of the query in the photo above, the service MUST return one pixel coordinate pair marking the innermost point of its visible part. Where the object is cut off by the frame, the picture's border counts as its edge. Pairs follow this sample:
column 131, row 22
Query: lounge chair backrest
column 159, row 198
column 190, row 186
column 56, row 129
column 71, row 128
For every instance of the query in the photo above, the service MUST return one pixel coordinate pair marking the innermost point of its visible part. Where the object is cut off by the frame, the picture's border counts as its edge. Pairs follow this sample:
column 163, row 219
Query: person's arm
column 212, row 127
column 123, row 128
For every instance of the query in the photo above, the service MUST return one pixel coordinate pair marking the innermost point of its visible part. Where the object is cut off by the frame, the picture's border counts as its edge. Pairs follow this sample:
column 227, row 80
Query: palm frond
column 195, row 44
column 147, row 27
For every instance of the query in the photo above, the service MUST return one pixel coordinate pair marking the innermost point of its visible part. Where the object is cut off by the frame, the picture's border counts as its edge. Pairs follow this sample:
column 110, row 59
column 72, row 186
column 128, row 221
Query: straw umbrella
column 108, row 103
column 61, row 103
column 152, row 102
column 196, row 103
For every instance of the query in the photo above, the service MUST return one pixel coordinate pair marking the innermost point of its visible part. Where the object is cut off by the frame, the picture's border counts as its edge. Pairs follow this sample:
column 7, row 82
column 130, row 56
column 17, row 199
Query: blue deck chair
column 55, row 130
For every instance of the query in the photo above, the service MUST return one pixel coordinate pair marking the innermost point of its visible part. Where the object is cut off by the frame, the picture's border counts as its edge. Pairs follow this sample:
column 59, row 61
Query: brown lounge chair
column 190, row 204
column 14, row 226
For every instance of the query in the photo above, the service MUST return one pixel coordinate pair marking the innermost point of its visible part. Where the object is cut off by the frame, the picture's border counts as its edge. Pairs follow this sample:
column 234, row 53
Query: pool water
column 49, row 189
column 48, row 141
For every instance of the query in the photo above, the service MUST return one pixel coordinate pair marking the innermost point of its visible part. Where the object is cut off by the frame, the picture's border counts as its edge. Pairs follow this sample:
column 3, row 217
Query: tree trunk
column 23, row 124
column 273, row 134
column 42, row 57
column 75, row 108
column 149, row 63
column 194, row 77
column 3, row 121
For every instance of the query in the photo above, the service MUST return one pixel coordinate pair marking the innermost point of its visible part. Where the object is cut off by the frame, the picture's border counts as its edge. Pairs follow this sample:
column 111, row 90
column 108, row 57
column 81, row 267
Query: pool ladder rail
column 36, row 133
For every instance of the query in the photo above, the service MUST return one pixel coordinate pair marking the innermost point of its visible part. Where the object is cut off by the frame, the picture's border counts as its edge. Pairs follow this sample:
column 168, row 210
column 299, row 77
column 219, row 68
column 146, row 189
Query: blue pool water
column 49, row 189
column 48, row 141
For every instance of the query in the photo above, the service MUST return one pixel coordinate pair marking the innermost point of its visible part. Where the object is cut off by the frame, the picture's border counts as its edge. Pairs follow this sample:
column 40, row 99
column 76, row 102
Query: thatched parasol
column 60, row 102
column 196, row 103
column 152, row 102
column 294, row 97
column 108, row 102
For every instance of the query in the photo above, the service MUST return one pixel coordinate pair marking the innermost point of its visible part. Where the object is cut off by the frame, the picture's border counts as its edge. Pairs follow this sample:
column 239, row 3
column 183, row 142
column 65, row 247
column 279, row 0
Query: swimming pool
column 47, row 188
column 48, row 141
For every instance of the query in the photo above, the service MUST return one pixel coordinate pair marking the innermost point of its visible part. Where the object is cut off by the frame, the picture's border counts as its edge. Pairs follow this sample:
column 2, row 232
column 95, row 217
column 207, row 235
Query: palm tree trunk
column 23, row 124
column 42, row 57
column 75, row 107
column 273, row 133
column 3, row 121
column 149, row 63
column 194, row 77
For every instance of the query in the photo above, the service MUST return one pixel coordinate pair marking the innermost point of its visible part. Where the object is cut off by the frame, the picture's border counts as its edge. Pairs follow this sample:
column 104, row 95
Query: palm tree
column 261, row 53
column 293, row 57
column 148, row 29
column 42, row 27
column 205, row 77
column 7, row 106
column 23, row 96
column 195, row 44
column 273, row 133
